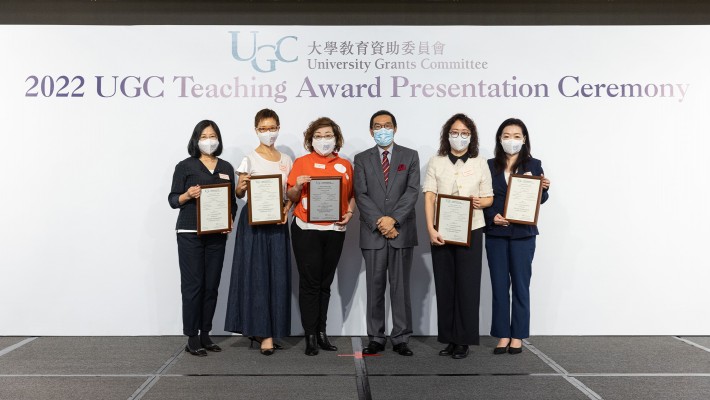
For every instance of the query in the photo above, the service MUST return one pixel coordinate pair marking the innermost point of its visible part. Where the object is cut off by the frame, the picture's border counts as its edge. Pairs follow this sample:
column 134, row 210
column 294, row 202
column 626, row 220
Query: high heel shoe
column 502, row 350
column 259, row 340
column 267, row 352
column 324, row 343
column 311, row 345
column 515, row 350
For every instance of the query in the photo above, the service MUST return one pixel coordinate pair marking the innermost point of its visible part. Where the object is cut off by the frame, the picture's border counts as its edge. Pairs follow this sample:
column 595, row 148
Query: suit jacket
column 396, row 199
column 500, row 189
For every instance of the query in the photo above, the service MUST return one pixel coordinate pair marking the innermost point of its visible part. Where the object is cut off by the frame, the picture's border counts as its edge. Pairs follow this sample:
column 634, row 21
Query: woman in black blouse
column 200, row 257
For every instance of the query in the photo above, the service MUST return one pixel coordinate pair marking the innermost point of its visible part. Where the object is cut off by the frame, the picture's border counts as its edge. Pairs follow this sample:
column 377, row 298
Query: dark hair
column 445, row 146
column 264, row 114
column 500, row 162
column 193, row 148
column 322, row 122
column 383, row 112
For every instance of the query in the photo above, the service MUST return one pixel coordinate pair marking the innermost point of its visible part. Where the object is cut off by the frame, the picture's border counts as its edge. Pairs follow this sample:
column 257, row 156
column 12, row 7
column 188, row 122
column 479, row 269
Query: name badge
column 319, row 166
column 224, row 176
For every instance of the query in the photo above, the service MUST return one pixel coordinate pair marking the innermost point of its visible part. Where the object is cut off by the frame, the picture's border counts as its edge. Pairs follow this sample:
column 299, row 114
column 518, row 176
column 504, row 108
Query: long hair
column 445, row 146
column 501, row 160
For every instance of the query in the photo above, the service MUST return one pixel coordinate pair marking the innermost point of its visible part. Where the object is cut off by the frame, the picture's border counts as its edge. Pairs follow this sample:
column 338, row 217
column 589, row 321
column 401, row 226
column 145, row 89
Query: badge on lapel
column 401, row 167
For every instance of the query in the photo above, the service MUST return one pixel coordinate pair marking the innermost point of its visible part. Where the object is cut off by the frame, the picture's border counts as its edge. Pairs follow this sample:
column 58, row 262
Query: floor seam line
column 362, row 381
column 557, row 367
column 16, row 346
column 690, row 342
column 153, row 379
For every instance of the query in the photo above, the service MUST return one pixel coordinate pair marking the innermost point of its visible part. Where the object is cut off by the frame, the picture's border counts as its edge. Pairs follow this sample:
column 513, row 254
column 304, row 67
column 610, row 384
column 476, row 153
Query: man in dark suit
column 386, row 191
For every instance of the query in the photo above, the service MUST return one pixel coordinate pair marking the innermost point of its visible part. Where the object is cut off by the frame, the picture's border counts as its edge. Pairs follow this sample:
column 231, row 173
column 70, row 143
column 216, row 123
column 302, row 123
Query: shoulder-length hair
column 192, row 146
column 500, row 162
column 322, row 122
column 445, row 146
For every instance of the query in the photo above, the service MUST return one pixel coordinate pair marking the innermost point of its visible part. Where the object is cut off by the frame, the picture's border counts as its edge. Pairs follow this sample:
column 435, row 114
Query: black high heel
column 502, row 350
column 267, row 352
column 255, row 339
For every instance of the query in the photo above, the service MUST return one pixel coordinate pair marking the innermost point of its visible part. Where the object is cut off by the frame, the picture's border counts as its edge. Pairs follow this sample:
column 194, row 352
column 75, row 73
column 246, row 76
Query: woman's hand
column 346, row 218
column 545, row 182
column 194, row 192
column 286, row 209
column 243, row 182
column 435, row 237
column 499, row 220
column 476, row 202
column 302, row 180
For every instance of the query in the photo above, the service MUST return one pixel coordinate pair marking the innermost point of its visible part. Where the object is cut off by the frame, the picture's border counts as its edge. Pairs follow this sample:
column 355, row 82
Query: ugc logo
column 264, row 57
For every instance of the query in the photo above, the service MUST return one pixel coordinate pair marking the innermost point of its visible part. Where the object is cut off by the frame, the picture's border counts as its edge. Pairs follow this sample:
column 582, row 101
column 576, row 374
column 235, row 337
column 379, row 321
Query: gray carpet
column 426, row 360
column 474, row 387
column 119, row 367
column 612, row 354
column 60, row 388
column 7, row 341
column 645, row 388
column 238, row 359
column 267, row 388
column 701, row 340
column 91, row 355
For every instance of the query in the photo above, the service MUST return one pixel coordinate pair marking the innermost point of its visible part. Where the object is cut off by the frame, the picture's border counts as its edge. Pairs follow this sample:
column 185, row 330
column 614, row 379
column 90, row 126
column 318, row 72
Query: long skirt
column 259, row 302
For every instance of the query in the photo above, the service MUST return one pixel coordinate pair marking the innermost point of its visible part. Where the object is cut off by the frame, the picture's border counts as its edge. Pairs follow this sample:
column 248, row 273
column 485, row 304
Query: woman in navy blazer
column 510, row 247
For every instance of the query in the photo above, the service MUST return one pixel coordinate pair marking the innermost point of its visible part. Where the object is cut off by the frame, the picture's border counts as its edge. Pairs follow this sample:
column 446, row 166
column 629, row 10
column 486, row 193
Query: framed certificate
column 453, row 219
column 265, row 199
column 214, row 209
column 324, row 200
column 522, row 202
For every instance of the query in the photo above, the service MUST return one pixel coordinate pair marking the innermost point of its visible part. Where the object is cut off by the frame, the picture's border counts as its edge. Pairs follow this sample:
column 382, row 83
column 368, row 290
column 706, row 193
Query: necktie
column 385, row 165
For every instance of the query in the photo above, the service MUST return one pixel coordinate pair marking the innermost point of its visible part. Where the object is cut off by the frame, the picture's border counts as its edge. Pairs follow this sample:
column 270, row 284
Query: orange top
column 314, row 164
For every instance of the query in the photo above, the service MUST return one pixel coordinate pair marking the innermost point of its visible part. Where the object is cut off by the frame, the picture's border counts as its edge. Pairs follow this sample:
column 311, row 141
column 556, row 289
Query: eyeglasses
column 327, row 137
column 268, row 129
column 463, row 134
column 388, row 125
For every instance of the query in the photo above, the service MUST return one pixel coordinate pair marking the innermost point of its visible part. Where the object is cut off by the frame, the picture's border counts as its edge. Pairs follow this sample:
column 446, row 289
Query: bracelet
column 349, row 211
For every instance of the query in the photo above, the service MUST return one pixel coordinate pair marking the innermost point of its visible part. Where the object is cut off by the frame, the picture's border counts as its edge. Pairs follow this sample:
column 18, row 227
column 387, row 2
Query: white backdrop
column 87, row 245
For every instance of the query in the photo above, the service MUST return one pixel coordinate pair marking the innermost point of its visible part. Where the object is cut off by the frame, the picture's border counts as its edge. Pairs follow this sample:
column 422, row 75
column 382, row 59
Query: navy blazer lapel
column 377, row 167
column 394, row 166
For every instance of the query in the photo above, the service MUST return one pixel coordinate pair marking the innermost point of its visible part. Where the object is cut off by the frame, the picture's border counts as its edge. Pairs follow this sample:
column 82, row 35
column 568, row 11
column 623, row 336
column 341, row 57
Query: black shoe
column 502, row 350
column 403, row 349
column 254, row 339
column 515, row 350
column 311, row 345
column 373, row 348
column 460, row 351
column 197, row 352
column 208, row 344
column 324, row 343
column 268, row 352
column 448, row 351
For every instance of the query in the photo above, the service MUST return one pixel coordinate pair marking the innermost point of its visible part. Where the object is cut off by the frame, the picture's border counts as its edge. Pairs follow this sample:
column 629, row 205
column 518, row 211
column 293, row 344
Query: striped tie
column 386, row 165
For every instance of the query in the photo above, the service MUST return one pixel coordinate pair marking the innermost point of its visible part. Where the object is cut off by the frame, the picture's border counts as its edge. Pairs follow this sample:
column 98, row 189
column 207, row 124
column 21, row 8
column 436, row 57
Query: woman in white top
column 457, row 170
column 259, row 304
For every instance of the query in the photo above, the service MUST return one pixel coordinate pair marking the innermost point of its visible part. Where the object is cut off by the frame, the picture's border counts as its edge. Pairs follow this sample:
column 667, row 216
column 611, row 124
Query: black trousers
column 201, row 259
column 317, row 255
column 457, row 277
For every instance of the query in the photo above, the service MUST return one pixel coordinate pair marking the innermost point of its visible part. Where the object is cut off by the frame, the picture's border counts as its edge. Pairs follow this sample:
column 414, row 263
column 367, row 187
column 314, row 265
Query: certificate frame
column 458, row 201
column 314, row 184
column 527, row 201
column 221, row 208
column 276, row 198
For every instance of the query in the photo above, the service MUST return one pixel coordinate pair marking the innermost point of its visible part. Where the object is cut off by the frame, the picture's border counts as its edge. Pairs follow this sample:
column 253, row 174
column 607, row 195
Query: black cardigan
column 190, row 172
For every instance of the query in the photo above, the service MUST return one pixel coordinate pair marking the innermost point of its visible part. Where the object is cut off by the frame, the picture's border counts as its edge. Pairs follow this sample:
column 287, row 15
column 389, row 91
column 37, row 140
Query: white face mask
column 324, row 146
column 459, row 143
column 208, row 146
column 512, row 146
column 268, row 138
